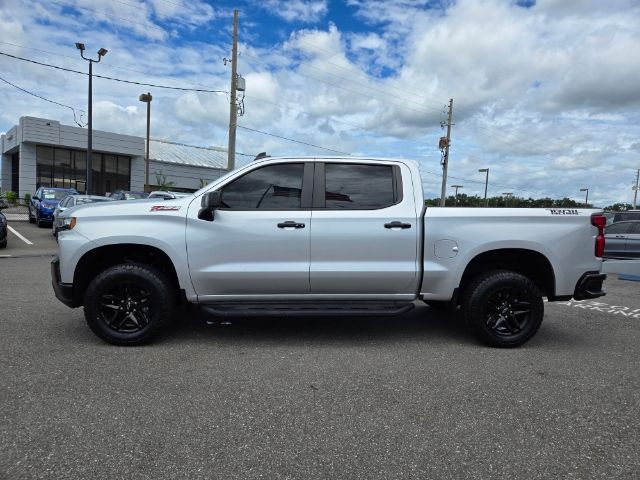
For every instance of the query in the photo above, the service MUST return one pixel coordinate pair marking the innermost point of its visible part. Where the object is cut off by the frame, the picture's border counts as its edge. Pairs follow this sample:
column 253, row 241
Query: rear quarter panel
column 564, row 236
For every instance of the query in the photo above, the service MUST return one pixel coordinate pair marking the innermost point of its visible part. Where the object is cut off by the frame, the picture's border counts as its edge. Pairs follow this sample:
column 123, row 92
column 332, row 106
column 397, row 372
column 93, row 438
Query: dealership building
column 41, row 152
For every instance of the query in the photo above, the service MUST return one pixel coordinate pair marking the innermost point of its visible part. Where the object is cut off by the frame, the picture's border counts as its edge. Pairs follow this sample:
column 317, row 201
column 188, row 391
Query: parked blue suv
column 43, row 203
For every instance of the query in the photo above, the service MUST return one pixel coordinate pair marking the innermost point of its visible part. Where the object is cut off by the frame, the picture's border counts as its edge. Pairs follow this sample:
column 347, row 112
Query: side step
column 307, row 309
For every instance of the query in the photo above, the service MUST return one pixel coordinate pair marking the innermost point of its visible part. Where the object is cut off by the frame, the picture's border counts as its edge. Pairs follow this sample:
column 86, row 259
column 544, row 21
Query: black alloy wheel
column 126, row 308
column 129, row 304
column 503, row 308
column 505, row 313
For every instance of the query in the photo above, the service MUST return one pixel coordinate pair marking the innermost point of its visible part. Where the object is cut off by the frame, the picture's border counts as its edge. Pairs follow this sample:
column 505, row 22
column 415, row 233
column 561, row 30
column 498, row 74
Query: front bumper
column 590, row 286
column 63, row 291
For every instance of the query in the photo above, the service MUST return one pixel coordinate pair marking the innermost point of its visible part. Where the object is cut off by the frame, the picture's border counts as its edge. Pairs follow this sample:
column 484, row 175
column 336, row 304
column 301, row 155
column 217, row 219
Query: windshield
column 54, row 194
column 134, row 195
column 80, row 200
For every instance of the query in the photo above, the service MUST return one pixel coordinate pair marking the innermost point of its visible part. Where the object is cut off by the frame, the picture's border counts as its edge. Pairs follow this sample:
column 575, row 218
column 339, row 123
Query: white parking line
column 19, row 236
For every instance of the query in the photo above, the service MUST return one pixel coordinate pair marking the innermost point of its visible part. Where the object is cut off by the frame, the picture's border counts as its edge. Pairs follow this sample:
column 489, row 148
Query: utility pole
column 456, row 187
column 635, row 189
column 233, row 109
column 445, row 159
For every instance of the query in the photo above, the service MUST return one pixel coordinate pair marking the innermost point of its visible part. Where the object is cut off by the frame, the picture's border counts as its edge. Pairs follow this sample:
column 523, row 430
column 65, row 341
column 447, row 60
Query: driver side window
column 274, row 187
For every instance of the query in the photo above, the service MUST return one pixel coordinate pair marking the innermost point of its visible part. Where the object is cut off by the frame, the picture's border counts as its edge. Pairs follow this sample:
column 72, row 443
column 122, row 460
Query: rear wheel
column 128, row 304
column 503, row 308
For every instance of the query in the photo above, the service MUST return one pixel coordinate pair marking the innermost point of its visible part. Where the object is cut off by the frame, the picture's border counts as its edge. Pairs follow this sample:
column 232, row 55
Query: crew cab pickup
column 322, row 236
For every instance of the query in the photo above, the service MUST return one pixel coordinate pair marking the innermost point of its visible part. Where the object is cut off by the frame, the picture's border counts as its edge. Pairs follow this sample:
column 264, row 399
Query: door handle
column 397, row 224
column 290, row 224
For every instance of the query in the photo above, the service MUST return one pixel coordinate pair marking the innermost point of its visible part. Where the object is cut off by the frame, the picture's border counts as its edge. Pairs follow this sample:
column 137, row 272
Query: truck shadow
column 424, row 323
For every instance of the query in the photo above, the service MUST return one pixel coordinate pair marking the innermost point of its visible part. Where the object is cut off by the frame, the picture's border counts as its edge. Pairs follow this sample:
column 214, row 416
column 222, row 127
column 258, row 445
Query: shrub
column 11, row 197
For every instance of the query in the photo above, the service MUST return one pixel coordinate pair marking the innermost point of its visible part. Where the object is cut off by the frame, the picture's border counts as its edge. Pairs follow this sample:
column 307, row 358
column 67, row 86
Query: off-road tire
column 134, row 294
column 503, row 308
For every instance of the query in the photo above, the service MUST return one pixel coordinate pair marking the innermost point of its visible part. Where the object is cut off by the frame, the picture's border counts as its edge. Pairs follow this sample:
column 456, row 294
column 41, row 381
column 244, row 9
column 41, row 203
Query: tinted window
column 619, row 228
column 350, row 186
column 276, row 187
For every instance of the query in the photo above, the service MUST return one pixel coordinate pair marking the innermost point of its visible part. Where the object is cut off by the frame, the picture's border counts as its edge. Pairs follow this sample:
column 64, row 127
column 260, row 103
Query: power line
column 106, row 65
column 48, row 100
column 292, row 140
column 113, row 78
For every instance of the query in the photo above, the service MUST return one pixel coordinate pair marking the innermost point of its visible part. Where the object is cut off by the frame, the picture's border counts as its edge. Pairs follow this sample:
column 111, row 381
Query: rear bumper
column 590, row 286
column 63, row 291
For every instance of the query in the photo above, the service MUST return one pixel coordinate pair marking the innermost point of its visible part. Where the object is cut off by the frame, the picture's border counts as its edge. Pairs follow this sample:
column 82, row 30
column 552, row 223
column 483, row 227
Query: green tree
column 161, row 181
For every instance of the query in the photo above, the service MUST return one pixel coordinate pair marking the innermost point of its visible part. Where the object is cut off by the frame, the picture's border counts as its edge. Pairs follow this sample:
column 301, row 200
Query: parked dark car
column 128, row 195
column 43, row 203
column 627, row 215
column 622, row 240
column 3, row 227
column 71, row 201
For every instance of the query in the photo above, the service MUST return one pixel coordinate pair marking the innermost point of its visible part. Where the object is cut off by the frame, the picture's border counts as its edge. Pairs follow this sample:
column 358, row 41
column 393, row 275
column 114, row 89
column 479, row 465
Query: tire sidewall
column 148, row 278
column 487, row 285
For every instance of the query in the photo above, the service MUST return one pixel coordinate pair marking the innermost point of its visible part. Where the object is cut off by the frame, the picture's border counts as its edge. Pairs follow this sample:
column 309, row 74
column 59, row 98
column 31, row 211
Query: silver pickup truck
column 322, row 236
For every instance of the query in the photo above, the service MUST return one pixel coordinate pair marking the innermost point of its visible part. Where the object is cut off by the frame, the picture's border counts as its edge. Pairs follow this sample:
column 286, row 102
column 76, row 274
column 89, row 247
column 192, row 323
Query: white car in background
column 71, row 201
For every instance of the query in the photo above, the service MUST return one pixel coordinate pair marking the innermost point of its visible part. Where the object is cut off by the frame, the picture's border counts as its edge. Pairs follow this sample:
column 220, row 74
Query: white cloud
column 305, row 11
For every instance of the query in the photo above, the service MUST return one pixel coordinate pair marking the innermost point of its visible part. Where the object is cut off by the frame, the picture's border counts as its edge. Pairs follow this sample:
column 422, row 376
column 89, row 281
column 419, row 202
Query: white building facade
column 41, row 152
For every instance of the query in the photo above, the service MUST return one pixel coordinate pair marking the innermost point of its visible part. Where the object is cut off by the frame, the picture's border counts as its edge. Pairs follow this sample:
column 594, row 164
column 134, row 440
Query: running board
column 307, row 309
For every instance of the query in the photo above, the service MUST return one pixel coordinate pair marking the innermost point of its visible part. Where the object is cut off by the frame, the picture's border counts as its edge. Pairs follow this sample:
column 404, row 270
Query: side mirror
column 35, row 197
column 210, row 202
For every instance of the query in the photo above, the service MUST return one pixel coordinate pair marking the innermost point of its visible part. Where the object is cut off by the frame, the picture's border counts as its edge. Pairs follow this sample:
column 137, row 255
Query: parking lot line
column 19, row 235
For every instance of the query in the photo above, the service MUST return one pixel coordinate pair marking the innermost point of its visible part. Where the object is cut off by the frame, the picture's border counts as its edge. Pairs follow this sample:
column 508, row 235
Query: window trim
column 305, row 195
column 319, row 189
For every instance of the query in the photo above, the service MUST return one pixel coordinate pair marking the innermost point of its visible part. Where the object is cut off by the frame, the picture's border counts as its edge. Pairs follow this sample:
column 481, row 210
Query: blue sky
column 545, row 93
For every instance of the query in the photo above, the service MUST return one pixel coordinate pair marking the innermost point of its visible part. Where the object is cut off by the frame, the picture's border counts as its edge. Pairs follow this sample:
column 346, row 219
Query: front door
column 258, row 242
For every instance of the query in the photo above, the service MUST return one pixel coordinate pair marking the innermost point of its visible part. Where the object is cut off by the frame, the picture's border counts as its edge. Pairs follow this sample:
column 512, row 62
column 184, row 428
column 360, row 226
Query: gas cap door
column 445, row 248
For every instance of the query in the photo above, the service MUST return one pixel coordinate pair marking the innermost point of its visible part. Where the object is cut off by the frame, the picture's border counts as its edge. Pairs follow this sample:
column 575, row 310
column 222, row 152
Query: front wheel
column 503, row 308
column 128, row 304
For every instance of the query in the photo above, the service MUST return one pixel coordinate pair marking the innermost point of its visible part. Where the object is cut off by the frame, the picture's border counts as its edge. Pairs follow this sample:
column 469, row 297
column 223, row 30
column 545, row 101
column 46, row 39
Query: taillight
column 599, row 221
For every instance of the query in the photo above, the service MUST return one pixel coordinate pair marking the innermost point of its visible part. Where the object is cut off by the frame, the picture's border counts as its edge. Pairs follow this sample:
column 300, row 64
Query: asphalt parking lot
column 384, row 398
column 25, row 239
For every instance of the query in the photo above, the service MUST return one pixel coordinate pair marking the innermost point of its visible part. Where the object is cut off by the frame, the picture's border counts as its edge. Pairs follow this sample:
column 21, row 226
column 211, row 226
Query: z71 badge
column 563, row 211
column 164, row 208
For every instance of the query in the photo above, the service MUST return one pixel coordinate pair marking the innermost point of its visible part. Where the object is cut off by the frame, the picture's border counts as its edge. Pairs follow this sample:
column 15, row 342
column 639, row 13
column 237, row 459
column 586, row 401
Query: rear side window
column 359, row 187
column 275, row 187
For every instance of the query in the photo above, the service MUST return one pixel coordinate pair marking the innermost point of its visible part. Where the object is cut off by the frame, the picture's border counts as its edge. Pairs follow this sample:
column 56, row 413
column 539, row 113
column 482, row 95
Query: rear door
column 633, row 241
column 616, row 239
column 258, row 242
column 364, row 240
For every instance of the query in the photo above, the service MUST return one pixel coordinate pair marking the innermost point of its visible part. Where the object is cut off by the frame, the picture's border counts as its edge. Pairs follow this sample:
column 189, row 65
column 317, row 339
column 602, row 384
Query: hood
column 130, row 208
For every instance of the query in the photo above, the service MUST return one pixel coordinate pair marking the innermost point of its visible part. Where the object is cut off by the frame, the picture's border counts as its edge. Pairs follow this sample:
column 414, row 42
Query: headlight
column 68, row 223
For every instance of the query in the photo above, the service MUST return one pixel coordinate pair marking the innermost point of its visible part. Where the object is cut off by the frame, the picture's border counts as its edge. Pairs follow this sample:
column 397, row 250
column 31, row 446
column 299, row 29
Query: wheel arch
column 530, row 263
column 99, row 259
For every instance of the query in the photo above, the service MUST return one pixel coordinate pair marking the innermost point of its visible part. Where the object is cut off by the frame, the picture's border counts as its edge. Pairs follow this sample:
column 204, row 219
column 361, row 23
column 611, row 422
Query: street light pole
column 456, row 187
column 146, row 98
column 586, row 200
column 486, row 184
column 101, row 53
